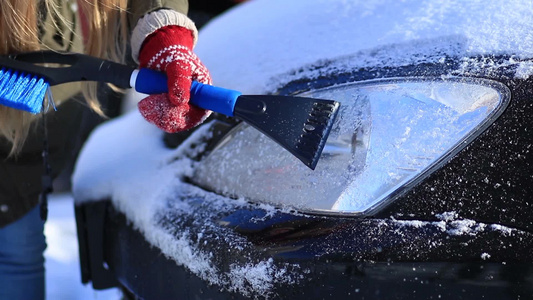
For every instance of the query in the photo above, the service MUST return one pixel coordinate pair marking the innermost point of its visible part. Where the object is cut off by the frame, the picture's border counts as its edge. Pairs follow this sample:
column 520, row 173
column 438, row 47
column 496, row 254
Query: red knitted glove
column 169, row 49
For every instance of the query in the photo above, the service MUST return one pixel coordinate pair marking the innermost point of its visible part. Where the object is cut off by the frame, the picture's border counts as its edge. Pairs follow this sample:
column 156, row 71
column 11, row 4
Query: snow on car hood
column 125, row 160
column 255, row 48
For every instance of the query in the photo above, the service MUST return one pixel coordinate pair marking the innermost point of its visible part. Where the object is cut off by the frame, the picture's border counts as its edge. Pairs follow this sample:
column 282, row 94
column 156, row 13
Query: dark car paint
column 491, row 180
column 379, row 256
column 326, row 257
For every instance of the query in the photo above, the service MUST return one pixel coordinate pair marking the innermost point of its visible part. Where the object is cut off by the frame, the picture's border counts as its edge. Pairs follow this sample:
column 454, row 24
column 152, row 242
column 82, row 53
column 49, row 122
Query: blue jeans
column 22, row 245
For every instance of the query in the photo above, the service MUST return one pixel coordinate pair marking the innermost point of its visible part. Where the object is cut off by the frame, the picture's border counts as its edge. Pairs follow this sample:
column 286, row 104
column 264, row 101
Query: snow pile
column 124, row 160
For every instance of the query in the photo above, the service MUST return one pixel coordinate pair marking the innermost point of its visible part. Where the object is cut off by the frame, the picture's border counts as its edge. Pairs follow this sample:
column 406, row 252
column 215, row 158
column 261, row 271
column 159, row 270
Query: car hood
column 261, row 45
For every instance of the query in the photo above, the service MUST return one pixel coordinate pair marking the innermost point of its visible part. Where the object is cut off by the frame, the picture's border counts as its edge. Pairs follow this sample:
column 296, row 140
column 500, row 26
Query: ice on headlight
column 388, row 133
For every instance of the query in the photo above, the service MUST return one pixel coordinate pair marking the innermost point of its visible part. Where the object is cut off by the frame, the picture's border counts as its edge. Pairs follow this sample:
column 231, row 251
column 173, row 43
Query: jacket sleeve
column 139, row 8
column 157, row 14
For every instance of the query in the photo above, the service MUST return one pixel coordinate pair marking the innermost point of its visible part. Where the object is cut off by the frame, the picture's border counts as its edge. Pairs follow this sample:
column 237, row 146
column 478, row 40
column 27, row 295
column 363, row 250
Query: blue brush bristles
column 22, row 91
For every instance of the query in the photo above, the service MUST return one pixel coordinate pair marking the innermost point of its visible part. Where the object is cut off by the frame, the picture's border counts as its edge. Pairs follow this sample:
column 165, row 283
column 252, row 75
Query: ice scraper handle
column 206, row 96
column 214, row 98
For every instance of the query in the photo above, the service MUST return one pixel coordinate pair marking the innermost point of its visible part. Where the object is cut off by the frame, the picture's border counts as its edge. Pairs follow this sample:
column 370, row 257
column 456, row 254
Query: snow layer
column 264, row 39
column 125, row 160
column 252, row 49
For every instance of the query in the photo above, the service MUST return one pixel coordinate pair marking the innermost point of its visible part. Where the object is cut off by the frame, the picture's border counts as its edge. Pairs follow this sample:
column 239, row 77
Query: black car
column 424, row 189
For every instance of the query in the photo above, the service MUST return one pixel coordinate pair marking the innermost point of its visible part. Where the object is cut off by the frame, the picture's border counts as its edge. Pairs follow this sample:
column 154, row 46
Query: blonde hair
column 19, row 32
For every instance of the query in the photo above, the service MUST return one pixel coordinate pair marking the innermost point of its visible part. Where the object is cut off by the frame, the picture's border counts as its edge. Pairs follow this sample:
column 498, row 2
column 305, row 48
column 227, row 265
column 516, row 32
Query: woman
column 154, row 34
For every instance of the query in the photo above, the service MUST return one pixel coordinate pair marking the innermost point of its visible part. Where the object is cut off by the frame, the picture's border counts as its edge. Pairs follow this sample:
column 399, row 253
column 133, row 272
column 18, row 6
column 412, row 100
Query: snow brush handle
column 206, row 96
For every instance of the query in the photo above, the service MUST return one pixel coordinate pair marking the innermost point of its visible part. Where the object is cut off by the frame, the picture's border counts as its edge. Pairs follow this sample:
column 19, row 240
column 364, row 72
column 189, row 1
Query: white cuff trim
column 155, row 20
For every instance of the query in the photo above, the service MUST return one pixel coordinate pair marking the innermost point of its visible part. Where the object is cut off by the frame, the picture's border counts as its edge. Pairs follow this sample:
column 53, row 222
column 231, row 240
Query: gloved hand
column 169, row 49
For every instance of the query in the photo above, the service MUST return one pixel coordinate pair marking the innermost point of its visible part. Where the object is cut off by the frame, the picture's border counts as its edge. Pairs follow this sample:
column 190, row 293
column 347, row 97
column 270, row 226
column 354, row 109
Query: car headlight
column 389, row 134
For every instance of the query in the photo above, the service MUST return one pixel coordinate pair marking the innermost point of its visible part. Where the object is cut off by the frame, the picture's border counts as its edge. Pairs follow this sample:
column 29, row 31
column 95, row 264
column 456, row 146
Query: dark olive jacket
column 21, row 176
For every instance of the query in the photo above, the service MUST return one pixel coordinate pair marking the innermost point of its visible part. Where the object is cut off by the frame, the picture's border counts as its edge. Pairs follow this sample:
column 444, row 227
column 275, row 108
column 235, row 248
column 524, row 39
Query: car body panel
column 462, row 230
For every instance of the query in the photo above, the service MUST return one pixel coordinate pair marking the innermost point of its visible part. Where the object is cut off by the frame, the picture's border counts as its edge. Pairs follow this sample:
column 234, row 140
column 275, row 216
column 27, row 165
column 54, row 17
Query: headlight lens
column 389, row 134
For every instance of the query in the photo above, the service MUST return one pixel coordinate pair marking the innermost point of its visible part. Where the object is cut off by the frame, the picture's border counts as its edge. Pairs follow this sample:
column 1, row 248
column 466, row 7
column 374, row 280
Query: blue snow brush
column 22, row 91
column 300, row 125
